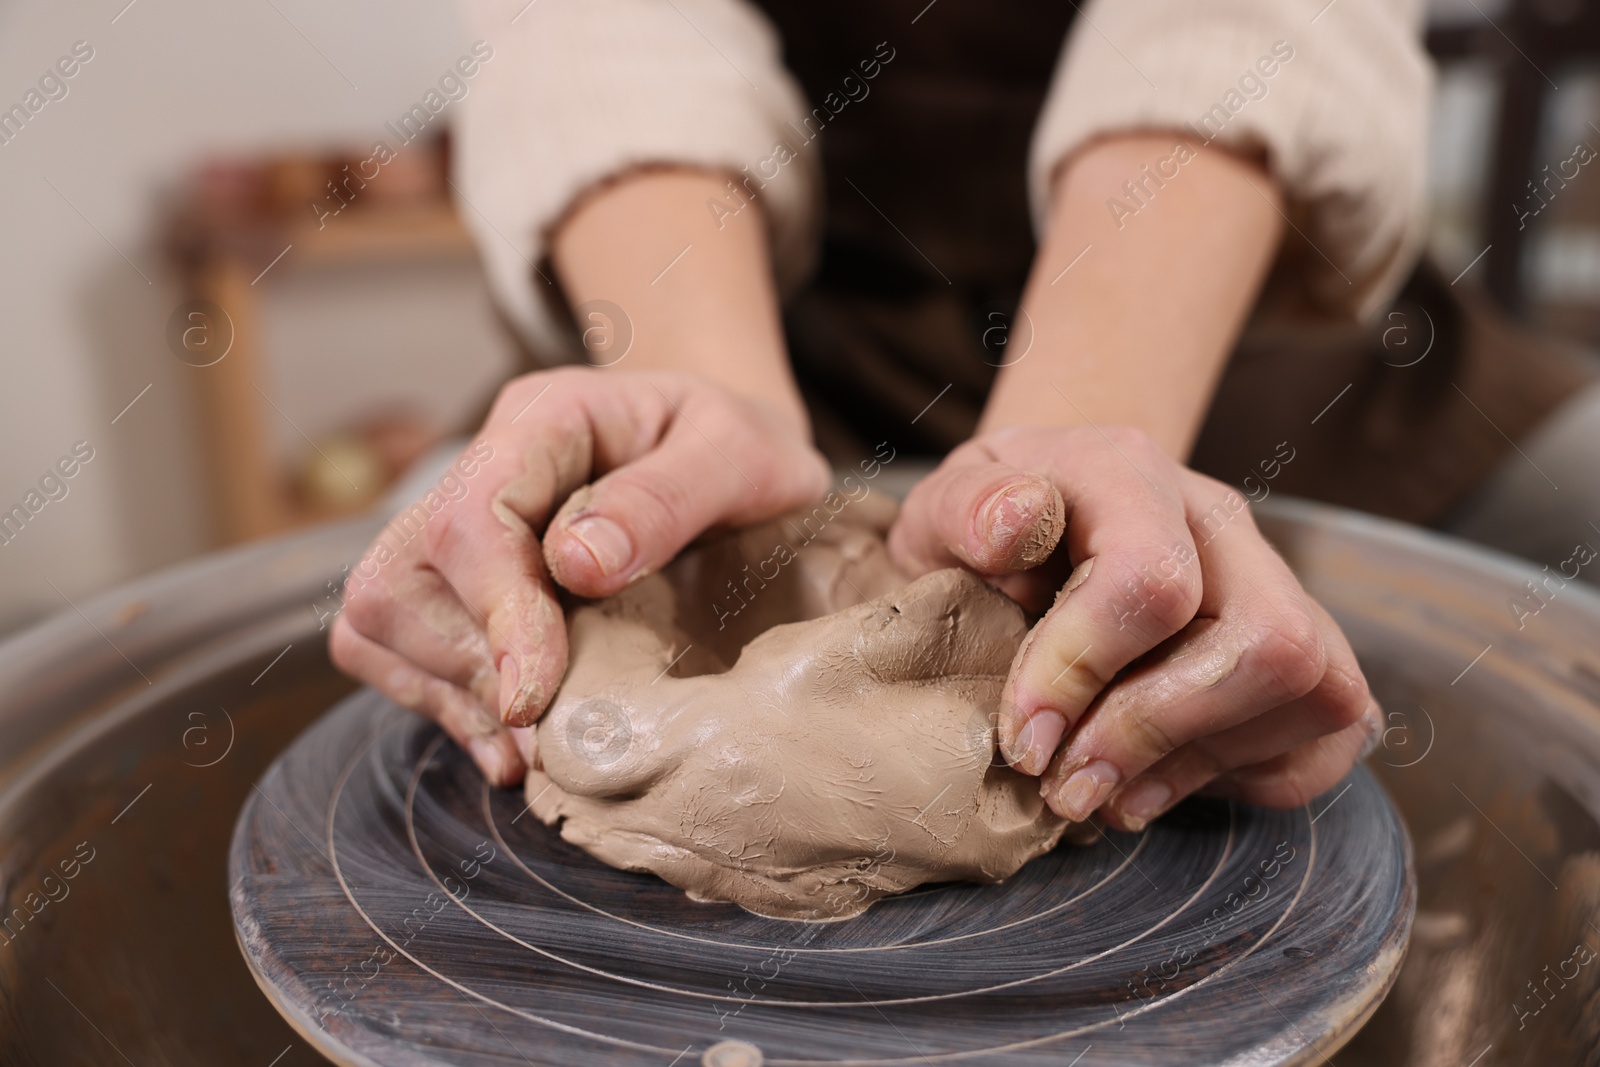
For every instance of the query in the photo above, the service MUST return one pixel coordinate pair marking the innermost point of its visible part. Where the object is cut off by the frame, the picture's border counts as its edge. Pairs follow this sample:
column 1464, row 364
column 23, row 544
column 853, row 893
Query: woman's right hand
column 585, row 478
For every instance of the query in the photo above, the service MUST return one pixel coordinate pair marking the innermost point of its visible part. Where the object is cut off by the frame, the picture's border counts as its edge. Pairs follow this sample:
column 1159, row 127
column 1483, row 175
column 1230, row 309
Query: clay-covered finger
column 457, row 712
column 983, row 514
column 1259, row 644
column 1137, row 581
column 485, row 550
column 1340, row 700
column 1199, row 763
column 713, row 465
column 412, row 611
column 491, row 561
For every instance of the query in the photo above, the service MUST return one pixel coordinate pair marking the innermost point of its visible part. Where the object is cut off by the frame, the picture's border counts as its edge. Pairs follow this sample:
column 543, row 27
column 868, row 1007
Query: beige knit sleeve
column 579, row 91
column 1335, row 93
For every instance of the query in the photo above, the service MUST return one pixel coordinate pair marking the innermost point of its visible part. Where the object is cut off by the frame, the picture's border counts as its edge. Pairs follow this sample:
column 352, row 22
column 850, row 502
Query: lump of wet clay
column 782, row 719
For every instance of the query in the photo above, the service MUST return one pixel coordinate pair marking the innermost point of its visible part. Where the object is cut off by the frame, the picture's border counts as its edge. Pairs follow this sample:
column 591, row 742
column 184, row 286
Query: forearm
column 1137, row 331
column 697, row 298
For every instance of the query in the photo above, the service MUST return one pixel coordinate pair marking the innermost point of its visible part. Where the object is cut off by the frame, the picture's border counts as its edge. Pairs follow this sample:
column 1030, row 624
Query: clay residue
column 847, row 753
column 1030, row 521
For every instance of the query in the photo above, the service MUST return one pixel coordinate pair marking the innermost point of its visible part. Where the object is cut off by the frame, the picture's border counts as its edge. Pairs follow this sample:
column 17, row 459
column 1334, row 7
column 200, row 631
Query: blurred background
column 204, row 155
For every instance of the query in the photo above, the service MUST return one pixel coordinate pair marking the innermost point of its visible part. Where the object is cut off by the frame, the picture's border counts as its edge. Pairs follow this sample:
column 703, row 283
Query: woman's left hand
column 1179, row 652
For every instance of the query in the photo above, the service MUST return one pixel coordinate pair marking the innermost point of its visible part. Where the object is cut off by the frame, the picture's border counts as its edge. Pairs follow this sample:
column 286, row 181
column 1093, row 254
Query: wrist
column 1131, row 315
column 694, row 293
column 776, row 399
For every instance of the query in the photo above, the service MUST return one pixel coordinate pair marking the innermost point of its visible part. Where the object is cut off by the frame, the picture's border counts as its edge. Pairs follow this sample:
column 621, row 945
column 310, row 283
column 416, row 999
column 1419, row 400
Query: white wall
column 82, row 330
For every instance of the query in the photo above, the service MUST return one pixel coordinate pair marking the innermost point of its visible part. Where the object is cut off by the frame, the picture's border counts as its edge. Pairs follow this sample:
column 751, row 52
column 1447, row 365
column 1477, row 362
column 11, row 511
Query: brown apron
column 928, row 242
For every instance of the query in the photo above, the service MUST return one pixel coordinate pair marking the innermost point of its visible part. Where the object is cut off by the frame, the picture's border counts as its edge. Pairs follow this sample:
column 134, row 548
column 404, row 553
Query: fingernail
column 607, row 542
column 524, row 706
column 510, row 681
column 1037, row 740
column 1086, row 790
column 1006, row 510
column 1373, row 719
column 1143, row 801
column 1080, row 574
column 1008, row 515
column 490, row 760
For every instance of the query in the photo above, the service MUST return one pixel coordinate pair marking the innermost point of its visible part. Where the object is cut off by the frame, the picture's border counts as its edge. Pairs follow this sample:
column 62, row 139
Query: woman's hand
column 584, row 478
column 1181, row 653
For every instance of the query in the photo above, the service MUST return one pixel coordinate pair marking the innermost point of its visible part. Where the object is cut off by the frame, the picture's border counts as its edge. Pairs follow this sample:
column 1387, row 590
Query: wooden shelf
column 230, row 252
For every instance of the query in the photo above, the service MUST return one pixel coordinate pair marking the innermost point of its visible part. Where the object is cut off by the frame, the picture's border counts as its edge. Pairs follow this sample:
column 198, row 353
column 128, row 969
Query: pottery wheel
column 397, row 910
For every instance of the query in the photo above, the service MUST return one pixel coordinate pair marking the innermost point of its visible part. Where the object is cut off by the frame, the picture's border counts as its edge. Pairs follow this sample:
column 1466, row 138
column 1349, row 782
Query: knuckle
column 1128, row 438
column 1225, row 508
column 789, row 473
column 1316, row 780
column 1175, row 600
column 420, row 693
column 1149, row 736
column 1289, row 662
column 342, row 646
column 986, row 448
column 514, row 395
column 660, row 505
column 564, row 377
column 1158, row 588
column 412, row 687
column 447, row 534
column 367, row 609
column 1077, row 671
column 1200, row 764
column 1341, row 702
column 506, row 395
column 460, row 715
column 1213, row 489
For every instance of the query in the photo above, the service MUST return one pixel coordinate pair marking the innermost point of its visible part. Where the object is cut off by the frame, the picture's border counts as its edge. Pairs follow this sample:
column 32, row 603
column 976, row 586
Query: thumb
column 990, row 516
column 635, row 519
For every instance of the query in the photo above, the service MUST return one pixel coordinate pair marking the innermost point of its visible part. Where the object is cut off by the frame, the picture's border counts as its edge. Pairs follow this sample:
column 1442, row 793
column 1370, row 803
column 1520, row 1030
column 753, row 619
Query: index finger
column 484, row 546
column 709, row 463
column 1136, row 582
